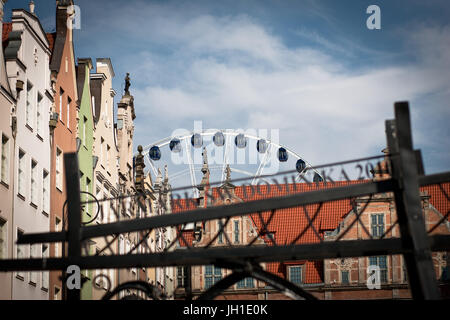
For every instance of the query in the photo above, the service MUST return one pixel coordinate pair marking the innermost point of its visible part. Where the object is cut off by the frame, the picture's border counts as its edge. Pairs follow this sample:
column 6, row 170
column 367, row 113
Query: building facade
column 85, row 143
column 7, row 106
column 27, row 64
column 326, row 279
column 63, row 124
column 128, row 210
column 105, row 161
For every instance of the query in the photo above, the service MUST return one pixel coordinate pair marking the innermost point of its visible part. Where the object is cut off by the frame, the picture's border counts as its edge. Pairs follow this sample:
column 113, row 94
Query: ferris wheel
column 246, row 154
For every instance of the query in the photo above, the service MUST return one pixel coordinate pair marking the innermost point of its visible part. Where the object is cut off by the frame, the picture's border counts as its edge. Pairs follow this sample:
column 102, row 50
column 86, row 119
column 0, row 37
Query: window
column 68, row 111
column 84, row 130
column 98, row 195
column 61, row 93
column 212, row 275
column 45, row 192
column 107, row 155
column 5, row 160
column 57, row 293
column 295, row 274
column 246, row 283
column 219, row 227
column 20, row 254
column 57, row 229
column 236, row 232
column 3, row 235
column 58, row 168
column 377, row 225
column 102, row 141
column 381, row 262
column 21, row 173
column 182, row 276
column 33, row 176
column 33, row 254
column 29, row 105
column 39, row 115
column 106, row 207
column 93, row 106
column 345, row 277
column 88, row 187
column 121, row 245
column 44, row 275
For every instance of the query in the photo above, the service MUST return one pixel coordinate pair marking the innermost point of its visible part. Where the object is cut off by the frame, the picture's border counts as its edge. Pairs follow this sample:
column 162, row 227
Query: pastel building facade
column 7, row 134
column 85, row 142
column 63, row 124
column 27, row 64
column 105, row 163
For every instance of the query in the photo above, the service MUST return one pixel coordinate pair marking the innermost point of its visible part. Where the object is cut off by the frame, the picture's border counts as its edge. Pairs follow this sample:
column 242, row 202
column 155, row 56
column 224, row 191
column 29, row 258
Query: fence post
column 421, row 274
column 72, row 175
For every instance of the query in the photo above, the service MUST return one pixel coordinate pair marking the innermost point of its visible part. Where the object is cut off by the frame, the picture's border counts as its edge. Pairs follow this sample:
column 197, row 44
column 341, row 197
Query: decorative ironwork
column 356, row 183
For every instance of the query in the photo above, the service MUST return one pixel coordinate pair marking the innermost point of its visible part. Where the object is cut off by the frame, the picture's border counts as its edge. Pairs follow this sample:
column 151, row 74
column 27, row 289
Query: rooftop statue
column 127, row 84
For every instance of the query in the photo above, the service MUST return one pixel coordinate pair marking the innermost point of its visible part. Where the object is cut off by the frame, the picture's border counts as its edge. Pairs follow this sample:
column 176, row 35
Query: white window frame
column 84, row 130
column 34, row 249
column 34, row 182
column 29, row 105
column 21, row 173
column 302, row 271
column 45, row 191
column 45, row 280
column 39, row 114
column 5, row 159
column 3, row 239
column 102, row 141
column 58, row 169
column 20, row 253
column 61, row 93
column 68, row 111
column 87, row 185
column 58, row 225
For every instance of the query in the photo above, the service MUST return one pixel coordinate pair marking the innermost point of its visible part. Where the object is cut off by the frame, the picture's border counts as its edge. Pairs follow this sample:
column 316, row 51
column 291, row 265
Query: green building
column 85, row 142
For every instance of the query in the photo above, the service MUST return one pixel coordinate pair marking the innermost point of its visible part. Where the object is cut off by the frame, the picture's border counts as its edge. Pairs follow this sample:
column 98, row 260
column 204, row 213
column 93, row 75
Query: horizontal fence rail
column 296, row 199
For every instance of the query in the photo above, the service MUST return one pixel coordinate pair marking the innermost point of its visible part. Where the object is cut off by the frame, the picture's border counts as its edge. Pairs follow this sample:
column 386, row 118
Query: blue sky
column 308, row 68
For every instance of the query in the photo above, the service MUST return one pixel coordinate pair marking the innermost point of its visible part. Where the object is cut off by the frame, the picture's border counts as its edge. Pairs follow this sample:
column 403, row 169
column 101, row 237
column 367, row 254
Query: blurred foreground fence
column 290, row 218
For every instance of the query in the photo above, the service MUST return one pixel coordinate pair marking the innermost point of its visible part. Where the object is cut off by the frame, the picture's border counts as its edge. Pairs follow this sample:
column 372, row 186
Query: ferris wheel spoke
column 152, row 166
column 261, row 167
column 263, row 163
column 191, row 168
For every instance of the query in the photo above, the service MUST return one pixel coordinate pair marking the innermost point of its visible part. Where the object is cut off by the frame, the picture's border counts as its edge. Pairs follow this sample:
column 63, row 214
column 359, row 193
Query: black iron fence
column 289, row 216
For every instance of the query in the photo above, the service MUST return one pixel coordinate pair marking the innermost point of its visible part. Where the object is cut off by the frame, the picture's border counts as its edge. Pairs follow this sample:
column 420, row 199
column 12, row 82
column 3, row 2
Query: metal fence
column 288, row 201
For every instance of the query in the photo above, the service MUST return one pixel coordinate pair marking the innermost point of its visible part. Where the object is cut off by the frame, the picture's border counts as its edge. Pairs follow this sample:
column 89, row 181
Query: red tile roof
column 288, row 225
column 439, row 197
column 7, row 28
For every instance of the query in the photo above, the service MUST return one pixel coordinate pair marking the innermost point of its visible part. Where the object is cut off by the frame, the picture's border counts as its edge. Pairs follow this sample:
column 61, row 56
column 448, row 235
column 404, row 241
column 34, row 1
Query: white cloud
column 232, row 72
